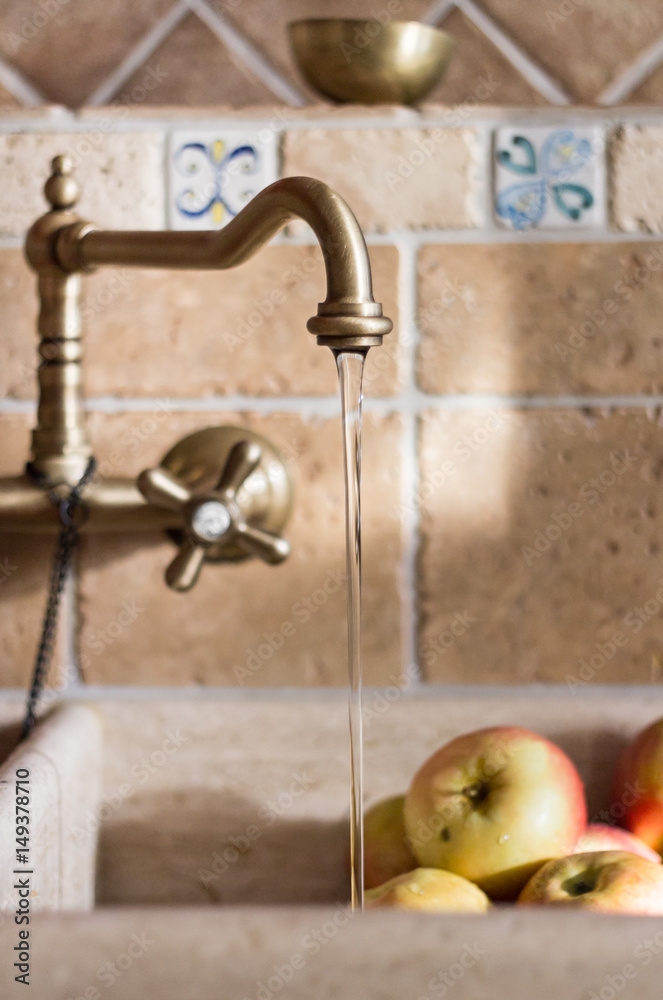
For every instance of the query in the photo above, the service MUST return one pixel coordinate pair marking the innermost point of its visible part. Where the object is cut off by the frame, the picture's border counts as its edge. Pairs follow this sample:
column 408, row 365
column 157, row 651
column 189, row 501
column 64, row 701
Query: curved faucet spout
column 348, row 318
column 60, row 245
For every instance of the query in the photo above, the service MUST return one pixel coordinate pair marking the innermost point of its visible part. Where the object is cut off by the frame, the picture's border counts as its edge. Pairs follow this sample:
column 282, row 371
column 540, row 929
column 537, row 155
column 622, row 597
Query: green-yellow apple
column 429, row 889
column 386, row 852
column 607, row 881
column 493, row 806
column 637, row 793
column 601, row 837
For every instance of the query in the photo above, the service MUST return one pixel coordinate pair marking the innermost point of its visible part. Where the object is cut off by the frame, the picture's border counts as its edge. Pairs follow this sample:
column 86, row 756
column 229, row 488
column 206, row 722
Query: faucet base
column 111, row 505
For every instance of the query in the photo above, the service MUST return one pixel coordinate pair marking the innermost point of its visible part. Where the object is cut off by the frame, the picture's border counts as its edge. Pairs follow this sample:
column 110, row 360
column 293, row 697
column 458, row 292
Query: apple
column 606, row 881
column 493, row 806
column 429, row 889
column 637, row 793
column 386, row 852
column 601, row 837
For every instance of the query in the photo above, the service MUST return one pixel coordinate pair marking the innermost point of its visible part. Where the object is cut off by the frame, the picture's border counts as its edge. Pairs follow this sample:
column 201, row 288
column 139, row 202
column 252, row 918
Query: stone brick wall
column 236, row 53
column 513, row 442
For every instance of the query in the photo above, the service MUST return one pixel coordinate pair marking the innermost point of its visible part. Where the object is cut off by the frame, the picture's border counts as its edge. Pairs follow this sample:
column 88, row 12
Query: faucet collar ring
column 349, row 331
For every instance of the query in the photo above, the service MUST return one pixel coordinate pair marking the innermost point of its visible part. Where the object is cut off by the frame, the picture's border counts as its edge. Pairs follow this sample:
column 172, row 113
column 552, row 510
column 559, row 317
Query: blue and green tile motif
column 549, row 178
column 213, row 176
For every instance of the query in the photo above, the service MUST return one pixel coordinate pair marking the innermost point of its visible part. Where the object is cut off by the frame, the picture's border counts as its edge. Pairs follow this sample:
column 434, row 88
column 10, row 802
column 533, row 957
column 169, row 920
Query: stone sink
column 195, row 849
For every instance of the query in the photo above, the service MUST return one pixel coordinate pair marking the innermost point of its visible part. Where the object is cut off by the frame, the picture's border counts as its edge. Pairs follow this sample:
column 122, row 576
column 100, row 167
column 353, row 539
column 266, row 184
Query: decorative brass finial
column 61, row 189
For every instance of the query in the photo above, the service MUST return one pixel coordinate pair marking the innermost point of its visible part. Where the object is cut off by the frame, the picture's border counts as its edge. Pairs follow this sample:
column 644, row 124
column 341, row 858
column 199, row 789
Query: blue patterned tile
column 549, row 178
column 212, row 175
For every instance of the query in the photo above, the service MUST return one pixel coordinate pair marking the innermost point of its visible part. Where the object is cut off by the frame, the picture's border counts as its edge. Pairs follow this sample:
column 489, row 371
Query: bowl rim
column 349, row 21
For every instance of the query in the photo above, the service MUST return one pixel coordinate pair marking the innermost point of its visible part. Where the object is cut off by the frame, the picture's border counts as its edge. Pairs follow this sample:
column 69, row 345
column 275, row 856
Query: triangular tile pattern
column 650, row 91
column 194, row 67
column 69, row 53
column 8, row 100
column 478, row 72
column 585, row 44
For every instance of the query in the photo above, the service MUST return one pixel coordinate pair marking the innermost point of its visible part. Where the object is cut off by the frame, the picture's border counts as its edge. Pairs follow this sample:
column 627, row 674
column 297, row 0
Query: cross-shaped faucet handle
column 214, row 517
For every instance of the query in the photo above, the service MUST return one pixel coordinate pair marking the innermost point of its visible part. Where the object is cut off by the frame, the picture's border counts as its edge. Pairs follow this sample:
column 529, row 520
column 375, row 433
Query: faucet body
column 61, row 248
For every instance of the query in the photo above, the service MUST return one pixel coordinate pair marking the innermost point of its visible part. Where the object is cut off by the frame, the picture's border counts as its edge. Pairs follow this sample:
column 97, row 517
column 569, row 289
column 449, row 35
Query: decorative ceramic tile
column 214, row 174
column 549, row 178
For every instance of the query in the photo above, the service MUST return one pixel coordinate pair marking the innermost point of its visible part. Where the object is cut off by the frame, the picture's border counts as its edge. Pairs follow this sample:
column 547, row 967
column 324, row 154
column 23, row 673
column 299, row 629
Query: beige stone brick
column 199, row 333
column 541, row 538
column 200, row 637
column 279, row 115
column 18, row 326
column 120, row 174
column 25, row 566
column 636, row 153
column 7, row 100
column 184, row 61
column 394, row 178
column 583, row 45
column 650, row 90
column 541, row 319
column 54, row 114
column 478, row 73
column 69, row 49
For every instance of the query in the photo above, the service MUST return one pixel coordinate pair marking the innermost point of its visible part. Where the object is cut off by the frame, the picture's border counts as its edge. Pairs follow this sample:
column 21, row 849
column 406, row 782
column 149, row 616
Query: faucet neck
column 60, row 245
column 348, row 318
column 61, row 447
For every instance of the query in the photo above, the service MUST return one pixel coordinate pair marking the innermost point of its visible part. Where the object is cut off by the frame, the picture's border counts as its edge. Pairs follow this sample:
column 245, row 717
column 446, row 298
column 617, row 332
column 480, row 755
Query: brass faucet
column 243, row 499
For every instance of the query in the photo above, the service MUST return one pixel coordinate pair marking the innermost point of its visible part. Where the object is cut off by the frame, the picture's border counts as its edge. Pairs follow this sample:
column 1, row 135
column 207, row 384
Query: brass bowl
column 367, row 62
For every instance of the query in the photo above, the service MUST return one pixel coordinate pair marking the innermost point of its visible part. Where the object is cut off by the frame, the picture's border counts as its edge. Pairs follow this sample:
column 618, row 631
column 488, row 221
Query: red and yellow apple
column 386, row 851
column 429, row 889
column 601, row 837
column 605, row 881
column 637, row 794
column 493, row 806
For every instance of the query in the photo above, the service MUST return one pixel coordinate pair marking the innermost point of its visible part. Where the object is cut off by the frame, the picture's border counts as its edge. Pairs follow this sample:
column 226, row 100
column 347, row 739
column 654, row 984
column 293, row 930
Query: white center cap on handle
column 211, row 520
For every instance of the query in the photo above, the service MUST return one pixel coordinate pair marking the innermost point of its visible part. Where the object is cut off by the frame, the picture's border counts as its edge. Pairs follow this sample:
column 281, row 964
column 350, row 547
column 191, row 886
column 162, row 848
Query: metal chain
column 73, row 512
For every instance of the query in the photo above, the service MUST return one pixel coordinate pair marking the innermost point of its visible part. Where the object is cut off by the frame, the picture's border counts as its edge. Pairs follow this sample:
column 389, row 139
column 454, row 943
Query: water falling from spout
column 350, row 370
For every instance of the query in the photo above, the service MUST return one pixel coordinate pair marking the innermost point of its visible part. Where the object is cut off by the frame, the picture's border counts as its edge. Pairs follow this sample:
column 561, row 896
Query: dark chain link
column 73, row 513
